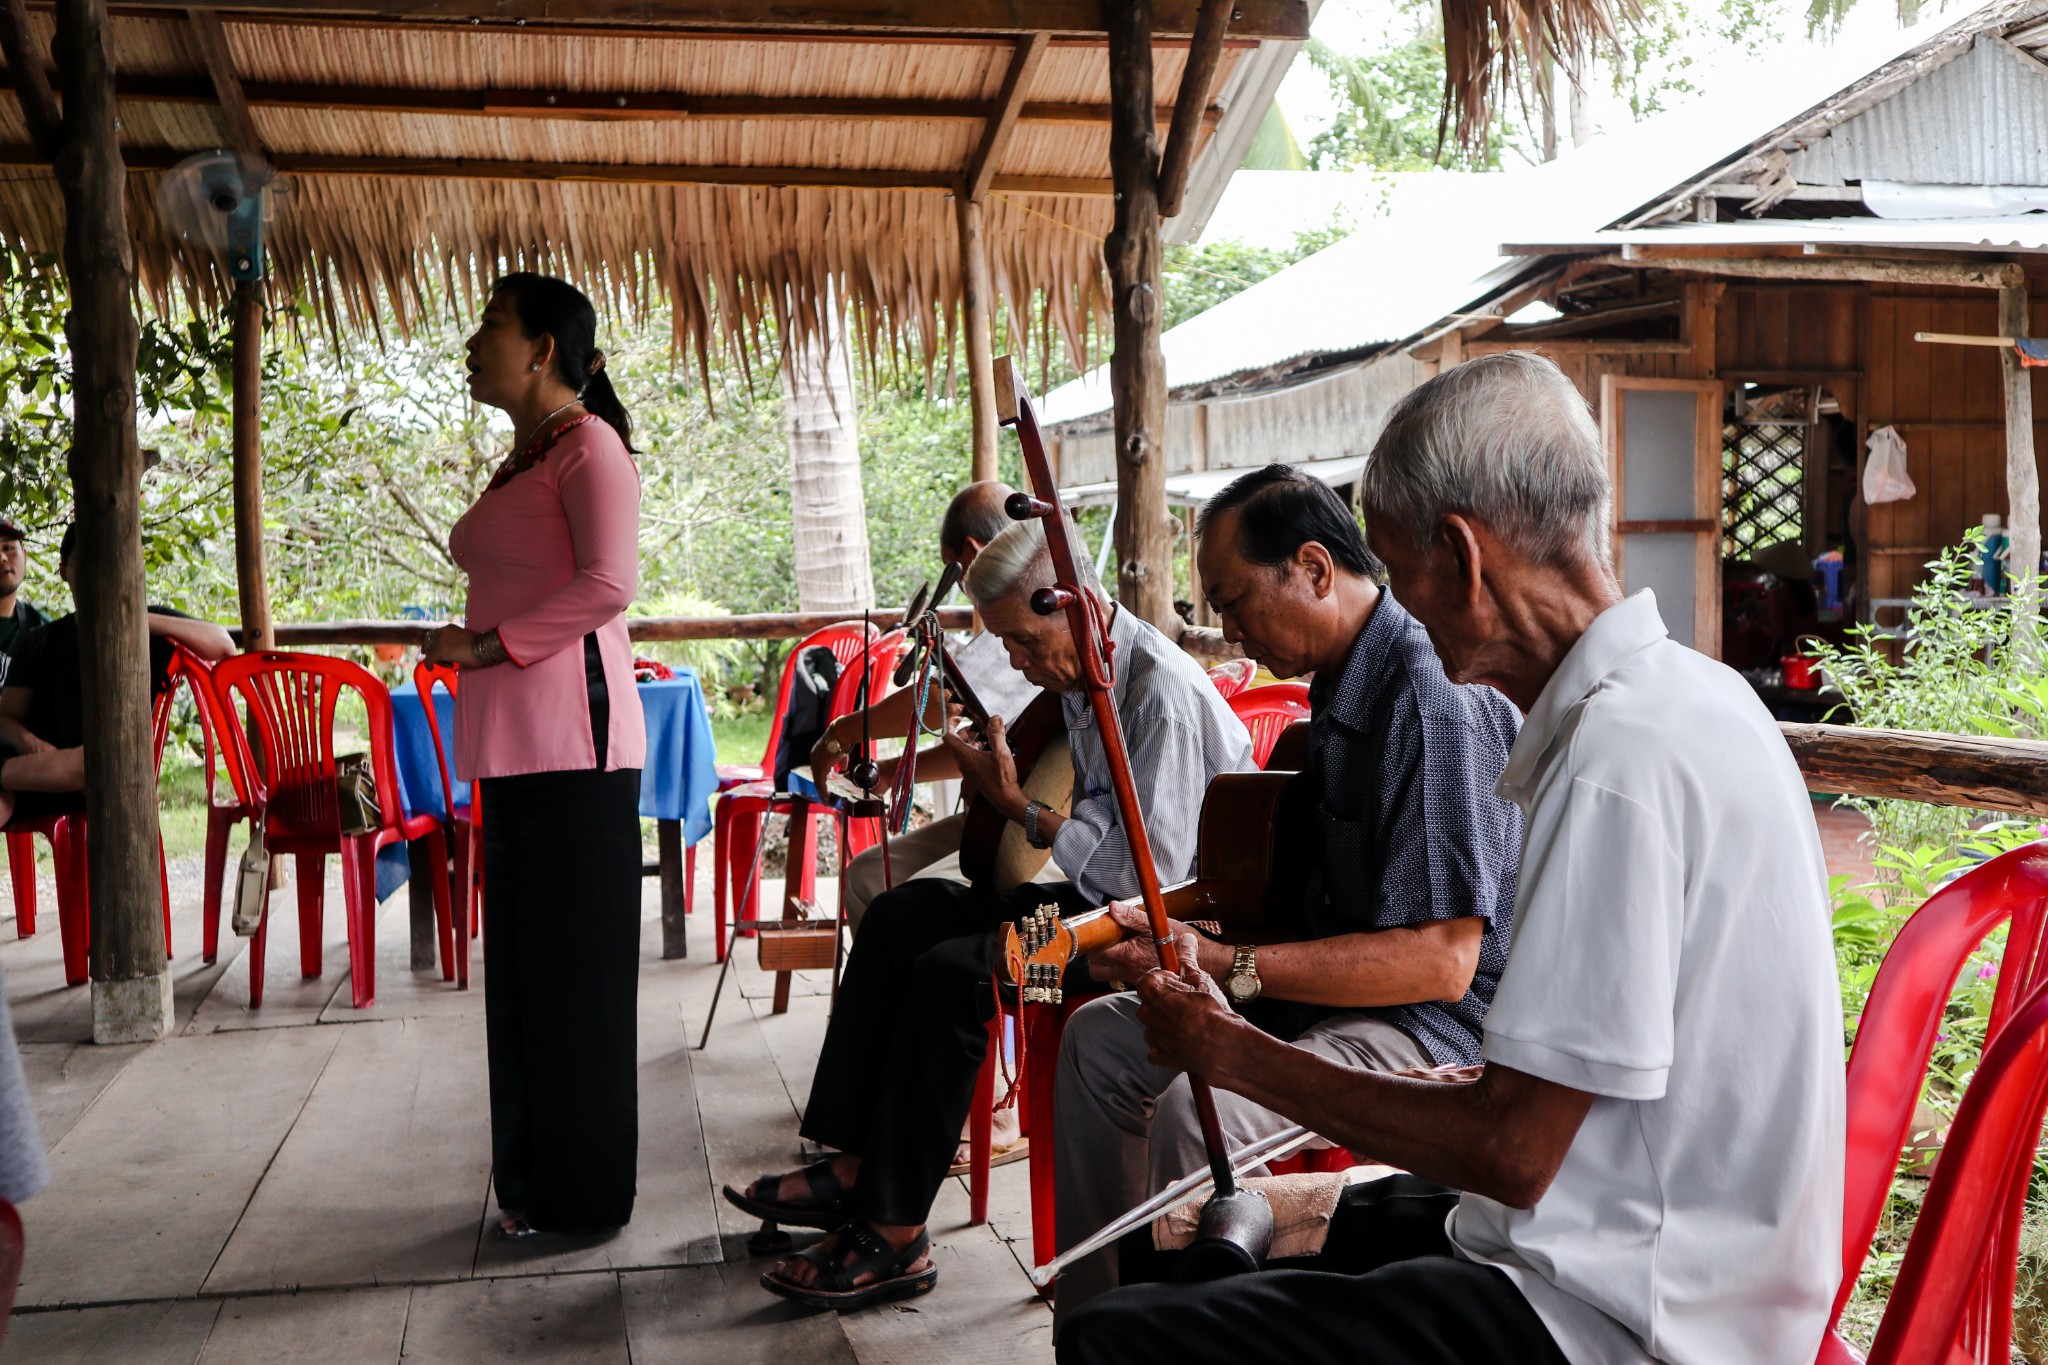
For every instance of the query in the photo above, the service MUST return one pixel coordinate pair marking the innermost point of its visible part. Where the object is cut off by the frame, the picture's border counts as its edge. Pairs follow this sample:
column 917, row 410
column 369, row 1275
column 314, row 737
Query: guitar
column 1249, row 867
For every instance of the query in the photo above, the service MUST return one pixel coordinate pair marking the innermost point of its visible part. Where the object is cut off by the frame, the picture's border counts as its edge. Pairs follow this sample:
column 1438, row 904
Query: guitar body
column 993, row 850
column 1249, row 865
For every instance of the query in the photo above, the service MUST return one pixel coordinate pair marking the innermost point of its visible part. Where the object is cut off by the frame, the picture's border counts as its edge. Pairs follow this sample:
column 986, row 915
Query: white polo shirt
column 1671, row 956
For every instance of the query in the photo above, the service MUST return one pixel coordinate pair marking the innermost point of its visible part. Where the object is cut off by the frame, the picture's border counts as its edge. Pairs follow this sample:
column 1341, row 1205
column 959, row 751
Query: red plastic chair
column 744, row 808
column 462, row 821
column 291, row 700
column 1888, row 1065
column 13, row 1248
column 1952, row 1301
column 844, row 640
column 221, row 815
column 1233, row 676
column 1268, row 711
column 67, row 833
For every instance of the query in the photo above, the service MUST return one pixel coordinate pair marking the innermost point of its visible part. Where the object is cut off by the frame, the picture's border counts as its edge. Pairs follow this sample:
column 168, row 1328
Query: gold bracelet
column 490, row 649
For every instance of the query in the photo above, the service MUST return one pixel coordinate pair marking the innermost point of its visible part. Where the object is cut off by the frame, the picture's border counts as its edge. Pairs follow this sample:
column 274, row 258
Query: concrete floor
column 308, row 1182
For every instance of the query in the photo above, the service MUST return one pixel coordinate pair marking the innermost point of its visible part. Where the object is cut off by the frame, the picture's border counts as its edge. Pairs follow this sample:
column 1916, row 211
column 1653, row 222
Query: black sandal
column 835, row 1286
column 826, row 1209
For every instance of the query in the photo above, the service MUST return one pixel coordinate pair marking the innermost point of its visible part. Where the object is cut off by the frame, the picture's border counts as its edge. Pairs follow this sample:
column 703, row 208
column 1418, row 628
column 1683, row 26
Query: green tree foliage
column 1199, row 277
column 1390, row 105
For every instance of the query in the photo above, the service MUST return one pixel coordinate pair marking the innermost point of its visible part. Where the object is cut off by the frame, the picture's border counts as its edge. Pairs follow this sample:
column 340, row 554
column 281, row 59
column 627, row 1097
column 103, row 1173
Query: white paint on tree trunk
column 136, row 1010
column 827, row 510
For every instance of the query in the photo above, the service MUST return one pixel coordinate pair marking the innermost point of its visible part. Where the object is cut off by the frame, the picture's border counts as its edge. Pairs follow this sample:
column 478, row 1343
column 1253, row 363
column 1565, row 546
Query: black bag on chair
column 808, row 712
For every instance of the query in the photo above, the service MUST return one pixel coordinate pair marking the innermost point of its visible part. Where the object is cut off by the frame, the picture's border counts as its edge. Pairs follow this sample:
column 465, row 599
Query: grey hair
column 1020, row 561
column 1505, row 439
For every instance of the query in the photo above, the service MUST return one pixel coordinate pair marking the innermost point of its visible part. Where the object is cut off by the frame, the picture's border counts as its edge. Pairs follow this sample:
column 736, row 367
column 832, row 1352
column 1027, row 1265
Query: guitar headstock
column 1036, row 951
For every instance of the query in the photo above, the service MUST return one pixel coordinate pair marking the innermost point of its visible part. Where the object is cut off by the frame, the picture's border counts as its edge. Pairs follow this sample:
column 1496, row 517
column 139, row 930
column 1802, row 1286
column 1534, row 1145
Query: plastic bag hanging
column 1885, row 478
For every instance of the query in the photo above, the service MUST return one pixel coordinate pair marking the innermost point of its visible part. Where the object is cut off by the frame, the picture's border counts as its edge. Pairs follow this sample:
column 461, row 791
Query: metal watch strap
column 1031, row 835
column 1244, row 963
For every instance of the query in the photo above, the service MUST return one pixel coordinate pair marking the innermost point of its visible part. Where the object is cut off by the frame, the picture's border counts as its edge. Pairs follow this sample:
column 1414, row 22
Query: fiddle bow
column 1237, row 1224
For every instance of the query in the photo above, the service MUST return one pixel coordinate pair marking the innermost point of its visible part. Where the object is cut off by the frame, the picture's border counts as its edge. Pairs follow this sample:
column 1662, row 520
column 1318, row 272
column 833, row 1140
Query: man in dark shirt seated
column 1404, row 918
column 18, row 615
column 42, row 710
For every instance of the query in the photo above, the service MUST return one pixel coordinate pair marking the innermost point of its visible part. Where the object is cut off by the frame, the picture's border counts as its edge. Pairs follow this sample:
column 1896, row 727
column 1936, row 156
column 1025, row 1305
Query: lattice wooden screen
column 1763, row 471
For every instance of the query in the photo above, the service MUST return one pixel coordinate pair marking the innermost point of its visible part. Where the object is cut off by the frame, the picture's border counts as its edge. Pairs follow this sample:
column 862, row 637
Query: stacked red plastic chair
column 463, row 822
column 745, row 804
column 290, row 700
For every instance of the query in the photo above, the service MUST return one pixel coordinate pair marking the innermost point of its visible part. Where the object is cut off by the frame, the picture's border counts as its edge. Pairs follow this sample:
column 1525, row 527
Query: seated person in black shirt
column 42, row 710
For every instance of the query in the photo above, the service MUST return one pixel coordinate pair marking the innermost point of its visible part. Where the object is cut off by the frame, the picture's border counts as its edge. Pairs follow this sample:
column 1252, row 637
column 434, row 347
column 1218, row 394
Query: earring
column 535, row 368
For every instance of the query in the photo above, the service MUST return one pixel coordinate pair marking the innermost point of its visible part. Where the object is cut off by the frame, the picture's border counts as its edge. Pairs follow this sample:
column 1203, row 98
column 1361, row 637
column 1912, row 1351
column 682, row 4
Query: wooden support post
column 254, row 589
column 1205, row 54
column 131, row 985
column 976, row 306
column 2022, row 477
column 1137, row 369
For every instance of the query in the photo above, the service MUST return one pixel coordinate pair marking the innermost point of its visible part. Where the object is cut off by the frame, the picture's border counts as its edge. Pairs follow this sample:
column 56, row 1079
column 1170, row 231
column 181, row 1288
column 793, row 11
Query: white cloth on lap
column 1671, row 956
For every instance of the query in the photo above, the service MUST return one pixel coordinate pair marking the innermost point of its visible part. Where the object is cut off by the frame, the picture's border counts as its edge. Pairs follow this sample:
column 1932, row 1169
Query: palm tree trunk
column 829, row 514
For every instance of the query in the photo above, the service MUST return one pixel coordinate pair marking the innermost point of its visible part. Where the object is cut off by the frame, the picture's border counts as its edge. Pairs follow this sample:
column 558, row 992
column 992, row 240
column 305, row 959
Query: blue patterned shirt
column 1403, row 770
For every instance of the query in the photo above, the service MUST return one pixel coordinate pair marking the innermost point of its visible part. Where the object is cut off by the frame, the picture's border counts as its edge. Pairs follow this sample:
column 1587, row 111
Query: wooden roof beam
column 1960, row 274
column 1204, row 56
column 38, row 100
column 598, row 105
column 995, row 138
column 460, row 168
column 1282, row 20
column 212, row 42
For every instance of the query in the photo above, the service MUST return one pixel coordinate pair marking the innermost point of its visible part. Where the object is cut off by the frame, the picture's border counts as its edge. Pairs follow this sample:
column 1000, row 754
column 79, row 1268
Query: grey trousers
column 933, row 851
column 1125, row 1128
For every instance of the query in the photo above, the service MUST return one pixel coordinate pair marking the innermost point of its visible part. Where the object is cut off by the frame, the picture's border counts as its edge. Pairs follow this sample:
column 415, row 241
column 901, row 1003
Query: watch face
column 1242, row 986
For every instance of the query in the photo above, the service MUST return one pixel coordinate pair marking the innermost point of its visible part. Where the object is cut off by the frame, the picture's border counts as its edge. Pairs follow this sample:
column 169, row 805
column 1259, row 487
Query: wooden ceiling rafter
column 604, row 173
column 1002, row 124
column 601, row 106
column 212, row 41
column 1280, row 20
column 1204, row 57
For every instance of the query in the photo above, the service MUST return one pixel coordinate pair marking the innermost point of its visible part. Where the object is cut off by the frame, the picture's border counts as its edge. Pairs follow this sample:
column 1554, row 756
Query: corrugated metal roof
column 1196, row 487
column 2017, row 232
column 1979, row 120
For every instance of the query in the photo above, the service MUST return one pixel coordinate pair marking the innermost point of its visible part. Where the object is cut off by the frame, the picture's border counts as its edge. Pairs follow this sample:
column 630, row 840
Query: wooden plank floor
column 309, row 1183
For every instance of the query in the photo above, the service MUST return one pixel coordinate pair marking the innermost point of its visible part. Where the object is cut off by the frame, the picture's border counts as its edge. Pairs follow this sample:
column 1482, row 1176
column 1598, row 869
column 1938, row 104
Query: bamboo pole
column 250, row 576
column 1137, row 369
column 976, row 296
column 131, row 986
column 2022, row 477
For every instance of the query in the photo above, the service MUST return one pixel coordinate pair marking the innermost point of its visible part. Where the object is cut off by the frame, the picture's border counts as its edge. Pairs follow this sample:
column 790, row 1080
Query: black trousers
column 1389, row 1293
column 896, row 1075
column 561, row 981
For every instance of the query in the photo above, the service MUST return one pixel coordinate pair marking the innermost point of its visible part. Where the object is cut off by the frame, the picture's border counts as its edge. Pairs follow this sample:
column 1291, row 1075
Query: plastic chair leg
column 690, row 880
column 459, row 856
column 359, row 890
column 21, row 870
column 163, row 881
column 981, row 1124
column 74, row 899
column 311, row 875
column 747, row 828
column 721, row 853
column 218, row 826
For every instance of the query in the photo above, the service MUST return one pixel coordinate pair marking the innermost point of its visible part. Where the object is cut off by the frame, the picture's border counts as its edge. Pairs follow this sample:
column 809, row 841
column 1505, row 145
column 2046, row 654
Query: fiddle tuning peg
column 1046, row 601
column 1024, row 507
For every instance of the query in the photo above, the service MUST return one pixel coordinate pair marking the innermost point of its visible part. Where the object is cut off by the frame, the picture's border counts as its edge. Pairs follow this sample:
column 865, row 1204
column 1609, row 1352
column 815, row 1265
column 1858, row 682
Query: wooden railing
column 767, row 626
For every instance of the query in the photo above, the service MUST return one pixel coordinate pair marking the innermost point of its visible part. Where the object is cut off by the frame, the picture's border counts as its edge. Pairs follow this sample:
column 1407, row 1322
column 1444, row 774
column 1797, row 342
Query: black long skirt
column 561, row 981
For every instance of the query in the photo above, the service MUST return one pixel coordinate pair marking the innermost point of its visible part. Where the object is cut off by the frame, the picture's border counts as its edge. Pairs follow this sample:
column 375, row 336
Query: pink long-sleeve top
column 552, row 554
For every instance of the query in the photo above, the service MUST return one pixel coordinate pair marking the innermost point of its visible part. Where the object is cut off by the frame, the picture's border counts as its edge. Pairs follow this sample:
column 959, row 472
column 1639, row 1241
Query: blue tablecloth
column 676, row 784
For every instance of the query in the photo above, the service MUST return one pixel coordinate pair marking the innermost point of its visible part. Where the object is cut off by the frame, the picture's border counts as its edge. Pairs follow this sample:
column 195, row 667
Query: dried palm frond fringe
column 1491, row 44
column 746, row 272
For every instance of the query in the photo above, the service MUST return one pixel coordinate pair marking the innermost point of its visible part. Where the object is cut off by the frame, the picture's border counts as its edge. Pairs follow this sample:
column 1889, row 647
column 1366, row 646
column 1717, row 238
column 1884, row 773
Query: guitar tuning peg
column 1055, row 996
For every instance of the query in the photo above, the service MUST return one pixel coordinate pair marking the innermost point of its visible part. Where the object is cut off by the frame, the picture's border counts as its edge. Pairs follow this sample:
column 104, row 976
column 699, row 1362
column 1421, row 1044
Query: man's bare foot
column 795, row 1189
column 804, row 1271
column 1004, row 1131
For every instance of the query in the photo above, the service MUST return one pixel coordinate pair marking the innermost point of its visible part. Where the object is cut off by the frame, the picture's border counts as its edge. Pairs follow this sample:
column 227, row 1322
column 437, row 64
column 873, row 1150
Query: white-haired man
column 1647, row 1164
column 895, row 1076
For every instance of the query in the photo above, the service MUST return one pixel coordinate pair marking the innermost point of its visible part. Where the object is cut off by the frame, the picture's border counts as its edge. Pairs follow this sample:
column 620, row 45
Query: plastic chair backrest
column 1233, row 676
column 424, row 676
column 844, row 639
column 187, row 668
column 1952, row 1301
column 1269, row 710
column 1904, row 1011
column 291, row 699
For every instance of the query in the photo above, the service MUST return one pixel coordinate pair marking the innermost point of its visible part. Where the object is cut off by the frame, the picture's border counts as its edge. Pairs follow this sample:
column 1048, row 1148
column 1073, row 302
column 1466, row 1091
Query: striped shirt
column 1180, row 733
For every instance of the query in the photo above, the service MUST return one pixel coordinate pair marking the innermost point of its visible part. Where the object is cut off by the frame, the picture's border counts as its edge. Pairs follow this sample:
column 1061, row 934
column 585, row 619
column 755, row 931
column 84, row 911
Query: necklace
column 536, row 428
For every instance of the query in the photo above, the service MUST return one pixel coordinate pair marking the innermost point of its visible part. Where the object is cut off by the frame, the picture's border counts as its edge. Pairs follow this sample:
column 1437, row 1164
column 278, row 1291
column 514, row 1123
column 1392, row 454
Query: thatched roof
column 741, row 175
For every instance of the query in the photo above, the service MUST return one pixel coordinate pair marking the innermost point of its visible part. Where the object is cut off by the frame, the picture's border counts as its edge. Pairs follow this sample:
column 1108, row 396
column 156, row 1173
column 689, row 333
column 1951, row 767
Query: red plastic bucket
column 1801, row 673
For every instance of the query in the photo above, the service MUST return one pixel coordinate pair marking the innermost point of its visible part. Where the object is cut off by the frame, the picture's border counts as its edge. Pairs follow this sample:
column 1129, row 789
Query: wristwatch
column 1032, row 808
column 1242, row 985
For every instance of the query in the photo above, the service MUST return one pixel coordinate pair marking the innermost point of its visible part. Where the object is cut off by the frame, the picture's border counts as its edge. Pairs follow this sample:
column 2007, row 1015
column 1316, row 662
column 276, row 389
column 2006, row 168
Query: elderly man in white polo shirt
column 1648, row 1164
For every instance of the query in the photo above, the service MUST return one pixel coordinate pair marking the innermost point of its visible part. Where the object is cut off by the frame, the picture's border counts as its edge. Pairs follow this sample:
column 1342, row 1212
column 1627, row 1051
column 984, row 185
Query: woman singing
column 549, row 724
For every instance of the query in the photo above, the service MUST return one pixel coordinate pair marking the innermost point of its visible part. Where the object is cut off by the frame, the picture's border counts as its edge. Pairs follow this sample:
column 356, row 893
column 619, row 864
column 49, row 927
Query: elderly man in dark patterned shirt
column 1403, row 924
